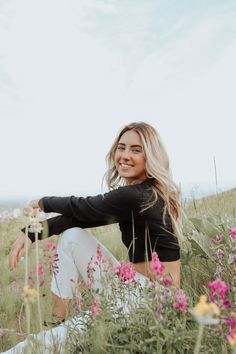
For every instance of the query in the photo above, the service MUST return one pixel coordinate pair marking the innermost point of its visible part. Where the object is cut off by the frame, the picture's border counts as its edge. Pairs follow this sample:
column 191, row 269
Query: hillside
column 223, row 203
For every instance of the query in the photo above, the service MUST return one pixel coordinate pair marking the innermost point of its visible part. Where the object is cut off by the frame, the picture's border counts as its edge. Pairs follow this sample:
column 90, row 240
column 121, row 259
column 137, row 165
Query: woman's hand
column 18, row 250
column 34, row 204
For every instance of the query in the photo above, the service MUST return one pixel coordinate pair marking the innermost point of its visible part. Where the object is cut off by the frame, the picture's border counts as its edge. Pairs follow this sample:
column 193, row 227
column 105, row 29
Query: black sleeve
column 99, row 210
column 103, row 209
column 58, row 224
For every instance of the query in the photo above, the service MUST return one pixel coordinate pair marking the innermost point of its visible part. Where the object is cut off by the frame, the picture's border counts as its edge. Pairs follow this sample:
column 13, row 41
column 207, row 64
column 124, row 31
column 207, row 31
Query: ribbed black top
column 142, row 232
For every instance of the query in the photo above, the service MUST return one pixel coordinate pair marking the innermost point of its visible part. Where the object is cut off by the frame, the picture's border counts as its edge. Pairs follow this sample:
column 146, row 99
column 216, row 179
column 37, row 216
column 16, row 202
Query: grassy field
column 157, row 327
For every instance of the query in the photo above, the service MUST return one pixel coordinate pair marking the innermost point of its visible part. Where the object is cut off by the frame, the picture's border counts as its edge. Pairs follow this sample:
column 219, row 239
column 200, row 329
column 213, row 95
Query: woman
column 143, row 199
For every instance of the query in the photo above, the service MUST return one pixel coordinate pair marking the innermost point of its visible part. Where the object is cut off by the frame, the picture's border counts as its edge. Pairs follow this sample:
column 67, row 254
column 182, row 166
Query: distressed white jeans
column 75, row 249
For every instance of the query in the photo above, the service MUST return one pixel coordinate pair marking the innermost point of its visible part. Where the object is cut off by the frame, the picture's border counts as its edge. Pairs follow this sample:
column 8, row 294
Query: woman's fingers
column 18, row 250
column 12, row 260
column 34, row 204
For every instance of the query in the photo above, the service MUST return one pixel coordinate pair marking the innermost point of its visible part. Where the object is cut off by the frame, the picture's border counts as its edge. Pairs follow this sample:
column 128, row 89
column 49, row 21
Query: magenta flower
column 96, row 308
column 40, row 269
column 90, row 273
column 156, row 264
column 52, row 257
column 100, row 260
column 51, row 246
column 180, row 301
column 218, row 295
column 2, row 333
column 232, row 232
column 158, row 270
column 230, row 322
column 99, row 252
column 217, row 239
column 79, row 302
column 32, row 275
column 218, row 287
column 126, row 271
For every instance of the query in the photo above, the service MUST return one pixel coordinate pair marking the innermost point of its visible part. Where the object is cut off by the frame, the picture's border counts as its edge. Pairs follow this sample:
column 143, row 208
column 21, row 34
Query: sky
column 73, row 72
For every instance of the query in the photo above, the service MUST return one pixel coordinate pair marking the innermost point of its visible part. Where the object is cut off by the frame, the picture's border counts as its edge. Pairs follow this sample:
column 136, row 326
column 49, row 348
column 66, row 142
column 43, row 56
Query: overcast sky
column 72, row 73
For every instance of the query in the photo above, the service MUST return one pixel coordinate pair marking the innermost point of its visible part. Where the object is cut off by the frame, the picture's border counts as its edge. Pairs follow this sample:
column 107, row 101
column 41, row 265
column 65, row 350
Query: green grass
column 140, row 333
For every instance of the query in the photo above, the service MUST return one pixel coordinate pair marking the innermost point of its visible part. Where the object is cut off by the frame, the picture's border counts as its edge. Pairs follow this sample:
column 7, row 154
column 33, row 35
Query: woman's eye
column 120, row 148
column 136, row 151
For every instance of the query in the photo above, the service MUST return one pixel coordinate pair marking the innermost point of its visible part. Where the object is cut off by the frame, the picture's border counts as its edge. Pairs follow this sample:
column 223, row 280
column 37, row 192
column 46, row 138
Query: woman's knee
column 70, row 237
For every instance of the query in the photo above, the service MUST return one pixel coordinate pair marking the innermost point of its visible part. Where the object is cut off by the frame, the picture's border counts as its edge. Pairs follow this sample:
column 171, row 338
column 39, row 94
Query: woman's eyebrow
column 130, row 145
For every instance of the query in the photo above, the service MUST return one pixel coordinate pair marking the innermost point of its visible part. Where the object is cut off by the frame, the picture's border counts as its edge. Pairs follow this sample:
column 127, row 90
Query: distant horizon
column 189, row 190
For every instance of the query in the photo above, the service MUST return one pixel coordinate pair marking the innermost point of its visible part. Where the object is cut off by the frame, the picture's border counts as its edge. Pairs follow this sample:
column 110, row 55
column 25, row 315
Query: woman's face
column 129, row 157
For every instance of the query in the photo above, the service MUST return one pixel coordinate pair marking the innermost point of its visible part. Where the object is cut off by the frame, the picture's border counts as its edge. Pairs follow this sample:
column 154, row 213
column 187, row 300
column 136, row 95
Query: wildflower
column 219, row 291
column 36, row 227
column 2, row 333
column 99, row 252
column 232, row 340
column 30, row 293
column 217, row 239
column 126, row 271
column 96, row 308
column 158, row 270
column 49, row 249
column 180, row 301
column 90, row 273
column 204, row 311
column 40, row 269
column 232, row 232
column 162, row 298
column 230, row 322
column 156, row 265
column 79, row 302
column 32, row 275
column 51, row 246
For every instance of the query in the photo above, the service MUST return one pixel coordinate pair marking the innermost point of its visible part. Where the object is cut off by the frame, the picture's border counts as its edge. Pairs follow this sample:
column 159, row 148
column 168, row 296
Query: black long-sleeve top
column 142, row 232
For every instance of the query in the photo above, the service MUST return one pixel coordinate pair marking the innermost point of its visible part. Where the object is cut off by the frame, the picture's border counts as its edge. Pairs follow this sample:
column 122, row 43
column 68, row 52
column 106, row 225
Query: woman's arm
column 58, row 224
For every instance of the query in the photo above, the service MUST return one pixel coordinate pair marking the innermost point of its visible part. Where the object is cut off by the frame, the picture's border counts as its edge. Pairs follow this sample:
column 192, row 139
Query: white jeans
column 75, row 249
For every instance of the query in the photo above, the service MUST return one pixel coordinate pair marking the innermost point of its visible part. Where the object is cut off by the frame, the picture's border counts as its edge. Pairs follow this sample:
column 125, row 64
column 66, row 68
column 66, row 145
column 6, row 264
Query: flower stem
column 37, row 280
column 199, row 339
column 27, row 307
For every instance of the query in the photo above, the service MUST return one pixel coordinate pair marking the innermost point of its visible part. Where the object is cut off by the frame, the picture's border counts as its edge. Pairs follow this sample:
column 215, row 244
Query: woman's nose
column 126, row 154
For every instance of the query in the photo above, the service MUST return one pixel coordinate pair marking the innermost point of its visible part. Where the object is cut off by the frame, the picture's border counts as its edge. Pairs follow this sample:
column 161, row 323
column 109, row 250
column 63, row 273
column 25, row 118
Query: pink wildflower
column 79, row 302
column 180, row 301
column 156, row 264
column 217, row 239
column 126, row 271
column 53, row 267
column 2, row 333
column 230, row 322
column 32, row 275
column 96, row 308
column 218, row 293
column 40, row 269
column 52, row 257
column 90, row 273
column 51, row 246
column 232, row 232
column 99, row 252
column 158, row 270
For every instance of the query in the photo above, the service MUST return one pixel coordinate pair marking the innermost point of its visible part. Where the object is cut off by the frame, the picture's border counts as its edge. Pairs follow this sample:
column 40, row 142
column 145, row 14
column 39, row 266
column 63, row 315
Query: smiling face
column 129, row 157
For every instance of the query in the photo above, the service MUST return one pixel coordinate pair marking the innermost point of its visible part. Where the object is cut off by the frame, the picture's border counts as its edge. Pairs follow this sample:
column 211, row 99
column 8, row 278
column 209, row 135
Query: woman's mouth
column 125, row 165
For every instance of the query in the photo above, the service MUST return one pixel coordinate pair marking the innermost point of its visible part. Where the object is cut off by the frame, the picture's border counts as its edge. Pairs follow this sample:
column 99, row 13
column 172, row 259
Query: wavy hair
column 157, row 172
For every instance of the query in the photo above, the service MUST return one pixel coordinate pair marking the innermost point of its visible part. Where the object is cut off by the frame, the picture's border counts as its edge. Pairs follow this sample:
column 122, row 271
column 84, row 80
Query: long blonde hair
column 157, row 172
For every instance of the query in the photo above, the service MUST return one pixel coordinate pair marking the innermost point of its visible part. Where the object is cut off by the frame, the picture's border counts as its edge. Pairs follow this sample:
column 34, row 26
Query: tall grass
column 141, row 332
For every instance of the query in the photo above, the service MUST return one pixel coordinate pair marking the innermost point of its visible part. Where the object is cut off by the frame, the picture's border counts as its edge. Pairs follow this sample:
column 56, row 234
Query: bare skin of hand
column 34, row 204
column 18, row 250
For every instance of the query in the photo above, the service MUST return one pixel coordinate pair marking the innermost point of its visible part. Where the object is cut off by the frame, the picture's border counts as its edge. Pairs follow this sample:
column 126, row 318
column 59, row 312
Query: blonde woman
column 143, row 199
